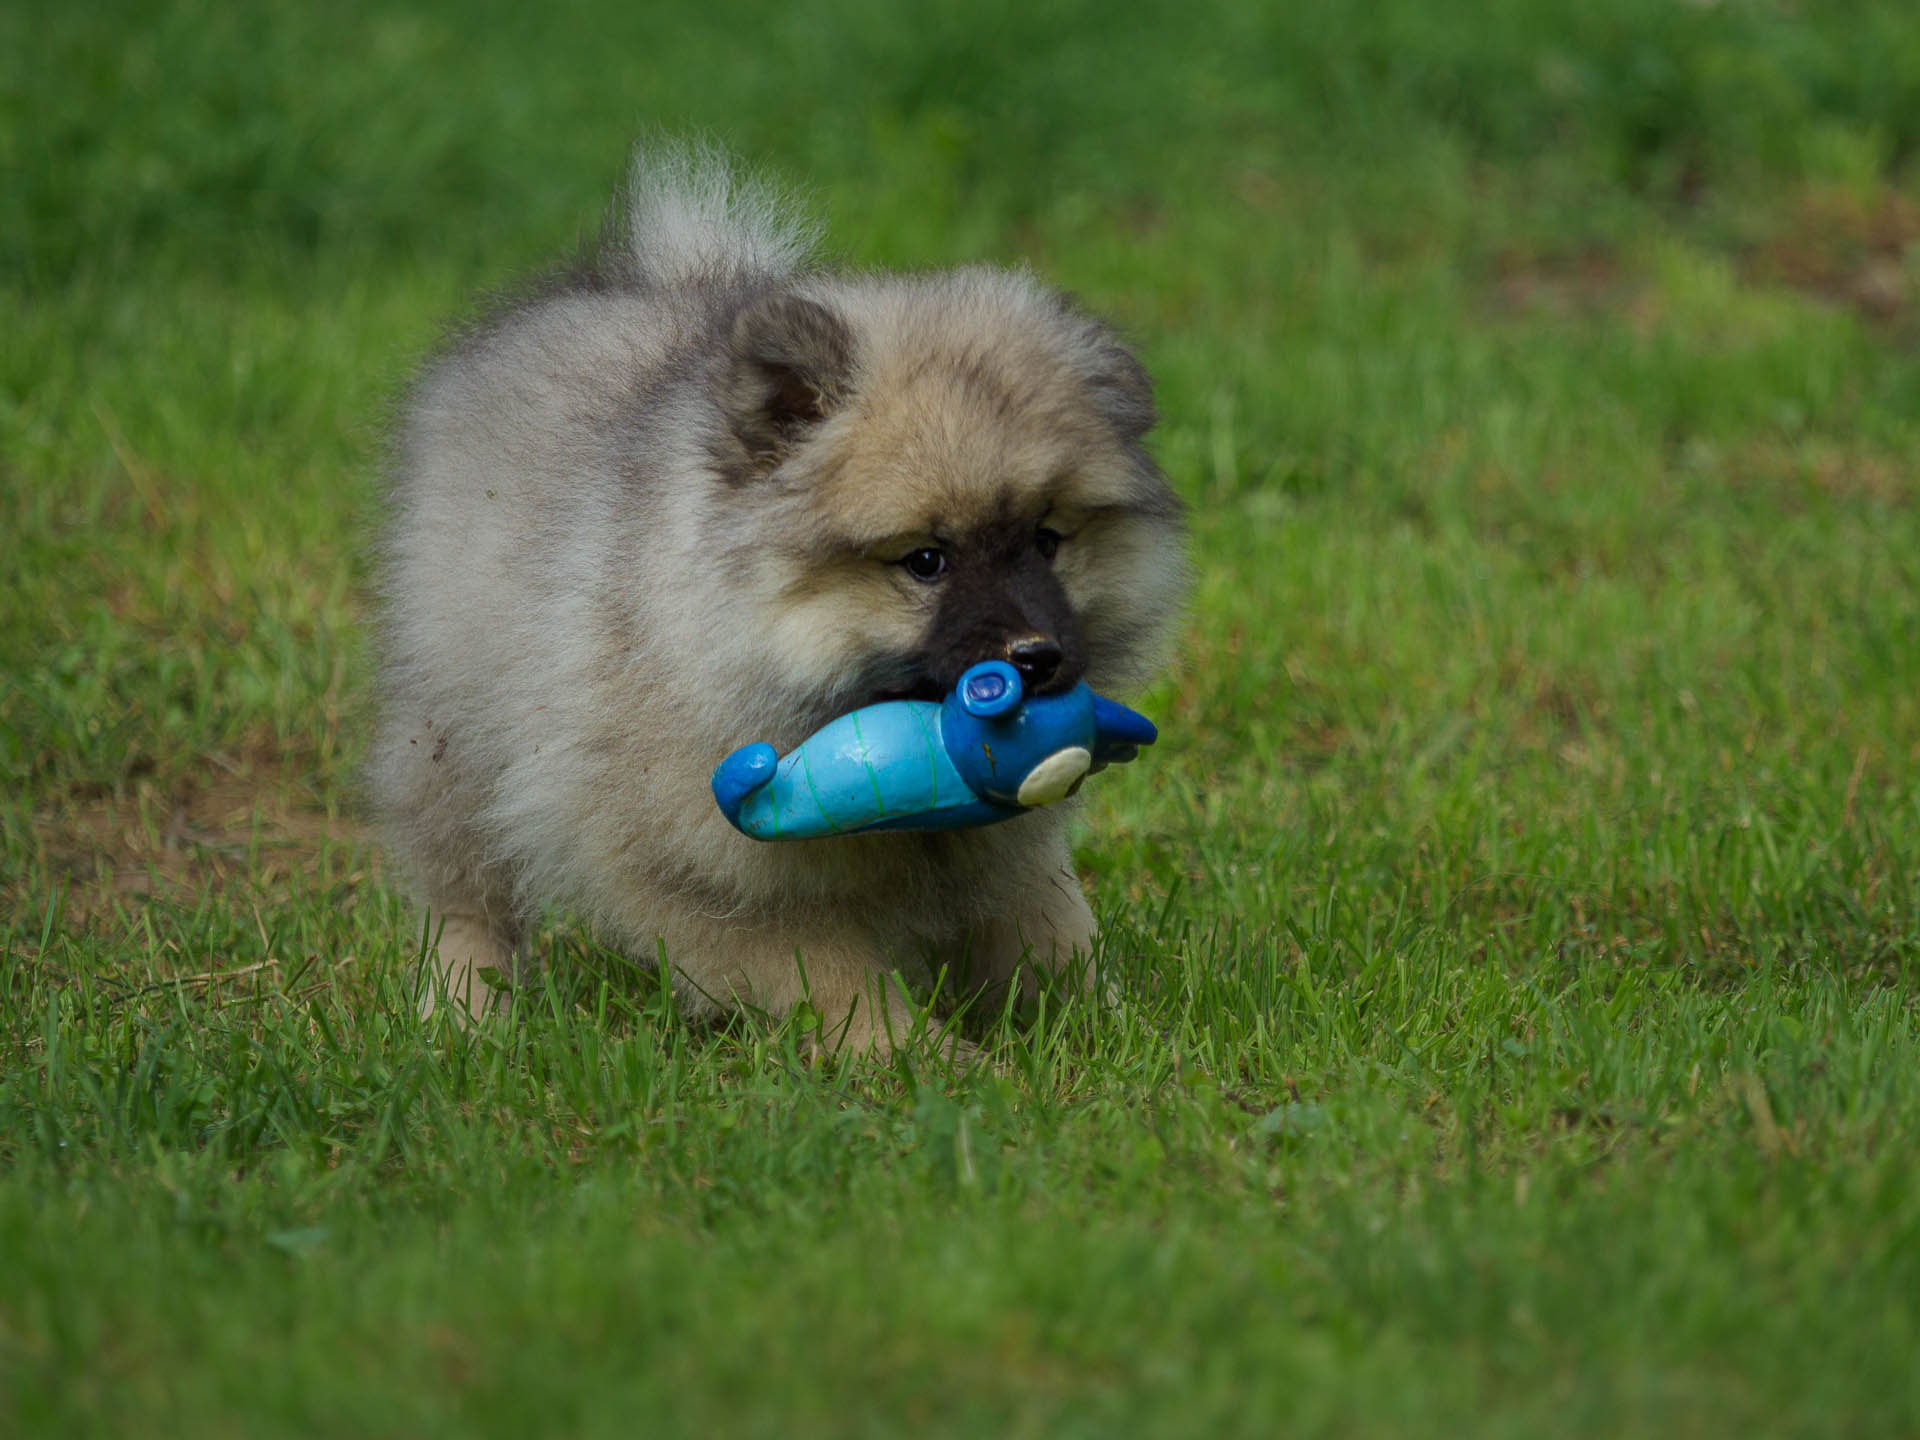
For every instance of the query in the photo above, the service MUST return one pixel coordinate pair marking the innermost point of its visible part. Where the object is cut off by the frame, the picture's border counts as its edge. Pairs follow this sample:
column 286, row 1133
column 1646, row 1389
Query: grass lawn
column 1517, row 930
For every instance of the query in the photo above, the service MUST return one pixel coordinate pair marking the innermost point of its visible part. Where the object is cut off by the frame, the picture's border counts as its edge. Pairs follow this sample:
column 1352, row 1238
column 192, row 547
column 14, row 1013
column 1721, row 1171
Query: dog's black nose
column 1036, row 658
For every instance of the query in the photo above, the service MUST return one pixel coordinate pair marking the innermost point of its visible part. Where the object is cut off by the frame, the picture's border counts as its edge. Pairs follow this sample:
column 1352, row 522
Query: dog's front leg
column 1050, row 929
column 467, row 945
column 724, row 964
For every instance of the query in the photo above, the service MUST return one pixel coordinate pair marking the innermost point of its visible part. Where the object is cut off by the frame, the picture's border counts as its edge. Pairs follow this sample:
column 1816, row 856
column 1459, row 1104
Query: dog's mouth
column 923, row 688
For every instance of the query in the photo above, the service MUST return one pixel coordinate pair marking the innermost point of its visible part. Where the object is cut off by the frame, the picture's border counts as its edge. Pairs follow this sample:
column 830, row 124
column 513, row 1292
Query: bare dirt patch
column 237, row 826
column 1584, row 287
column 1848, row 248
column 1588, row 283
column 1840, row 472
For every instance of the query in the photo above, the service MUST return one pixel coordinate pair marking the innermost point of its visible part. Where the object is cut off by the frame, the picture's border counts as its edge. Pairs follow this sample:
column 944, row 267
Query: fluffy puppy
column 697, row 491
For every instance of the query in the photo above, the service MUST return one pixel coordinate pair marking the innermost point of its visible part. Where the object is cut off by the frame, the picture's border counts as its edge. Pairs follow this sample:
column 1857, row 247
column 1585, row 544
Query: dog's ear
column 1121, row 386
column 792, row 366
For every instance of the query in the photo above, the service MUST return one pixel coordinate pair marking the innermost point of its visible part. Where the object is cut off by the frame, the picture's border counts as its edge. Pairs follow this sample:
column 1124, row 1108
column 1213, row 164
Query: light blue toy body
column 984, row 754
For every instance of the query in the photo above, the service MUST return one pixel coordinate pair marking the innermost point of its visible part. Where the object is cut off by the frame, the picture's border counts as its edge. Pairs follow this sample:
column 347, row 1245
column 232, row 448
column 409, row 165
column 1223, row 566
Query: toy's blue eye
column 1047, row 542
column 926, row 564
column 990, row 688
column 986, row 688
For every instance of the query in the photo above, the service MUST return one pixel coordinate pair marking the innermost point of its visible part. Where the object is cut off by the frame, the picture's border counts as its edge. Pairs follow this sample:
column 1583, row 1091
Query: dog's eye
column 926, row 564
column 1047, row 542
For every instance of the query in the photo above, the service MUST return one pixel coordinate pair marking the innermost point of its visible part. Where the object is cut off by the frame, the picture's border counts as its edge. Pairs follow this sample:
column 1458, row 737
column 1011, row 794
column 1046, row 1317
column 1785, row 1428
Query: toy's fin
column 740, row 774
column 1119, row 732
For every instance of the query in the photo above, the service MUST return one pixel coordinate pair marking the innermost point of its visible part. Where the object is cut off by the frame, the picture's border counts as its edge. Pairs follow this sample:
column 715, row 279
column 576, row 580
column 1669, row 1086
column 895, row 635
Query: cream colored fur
column 583, row 614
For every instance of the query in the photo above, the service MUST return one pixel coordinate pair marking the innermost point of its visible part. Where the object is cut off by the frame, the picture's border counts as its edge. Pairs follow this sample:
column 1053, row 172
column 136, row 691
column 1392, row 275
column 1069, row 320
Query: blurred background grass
column 209, row 134
column 1543, row 374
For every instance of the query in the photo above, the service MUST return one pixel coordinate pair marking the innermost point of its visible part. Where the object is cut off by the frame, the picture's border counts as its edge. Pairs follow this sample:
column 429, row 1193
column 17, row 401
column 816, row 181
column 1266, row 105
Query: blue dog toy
column 984, row 754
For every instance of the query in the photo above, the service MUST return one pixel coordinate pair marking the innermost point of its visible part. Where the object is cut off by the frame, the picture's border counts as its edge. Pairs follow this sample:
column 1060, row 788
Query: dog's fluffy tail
column 690, row 215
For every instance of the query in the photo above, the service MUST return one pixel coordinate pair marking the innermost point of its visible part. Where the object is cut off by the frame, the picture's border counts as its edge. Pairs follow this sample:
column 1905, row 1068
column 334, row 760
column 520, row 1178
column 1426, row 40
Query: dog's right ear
column 792, row 366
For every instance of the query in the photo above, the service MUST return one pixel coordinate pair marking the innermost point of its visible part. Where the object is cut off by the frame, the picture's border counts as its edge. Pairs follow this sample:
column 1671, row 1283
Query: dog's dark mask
column 998, row 599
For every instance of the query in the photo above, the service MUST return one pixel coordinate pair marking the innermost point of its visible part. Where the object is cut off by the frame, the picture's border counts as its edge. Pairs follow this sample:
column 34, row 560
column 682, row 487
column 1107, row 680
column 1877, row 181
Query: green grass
column 1516, row 930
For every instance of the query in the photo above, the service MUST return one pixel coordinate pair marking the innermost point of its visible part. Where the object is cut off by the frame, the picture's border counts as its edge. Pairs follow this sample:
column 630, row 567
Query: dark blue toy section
column 986, row 753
